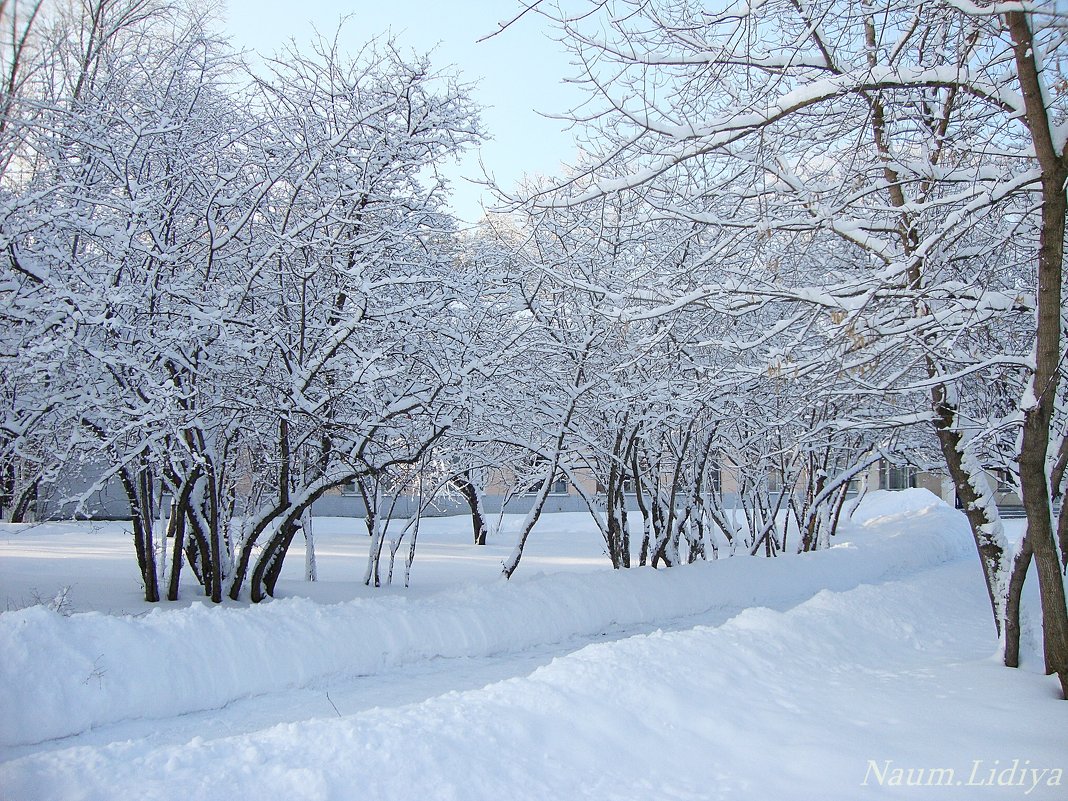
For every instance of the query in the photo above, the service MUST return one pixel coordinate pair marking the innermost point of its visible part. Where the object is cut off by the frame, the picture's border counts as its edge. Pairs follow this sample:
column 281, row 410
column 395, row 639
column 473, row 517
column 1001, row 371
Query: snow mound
column 883, row 506
column 62, row 675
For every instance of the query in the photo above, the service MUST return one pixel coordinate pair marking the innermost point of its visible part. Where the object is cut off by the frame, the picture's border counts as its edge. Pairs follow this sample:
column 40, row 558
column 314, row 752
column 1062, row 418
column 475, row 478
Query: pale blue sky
column 520, row 71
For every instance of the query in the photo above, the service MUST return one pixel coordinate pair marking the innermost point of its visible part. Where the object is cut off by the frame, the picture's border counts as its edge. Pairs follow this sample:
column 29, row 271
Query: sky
column 520, row 72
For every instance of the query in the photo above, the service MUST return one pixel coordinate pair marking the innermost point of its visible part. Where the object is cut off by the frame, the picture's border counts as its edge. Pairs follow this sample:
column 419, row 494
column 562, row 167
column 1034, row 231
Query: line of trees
column 235, row 288
column 896, row 175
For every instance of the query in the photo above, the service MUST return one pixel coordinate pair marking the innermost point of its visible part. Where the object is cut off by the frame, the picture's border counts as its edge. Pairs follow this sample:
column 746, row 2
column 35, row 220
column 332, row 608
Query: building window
column 774, row 480
column 1004, row 479
column 557, row 487
column 386, row 485
column 895, row 477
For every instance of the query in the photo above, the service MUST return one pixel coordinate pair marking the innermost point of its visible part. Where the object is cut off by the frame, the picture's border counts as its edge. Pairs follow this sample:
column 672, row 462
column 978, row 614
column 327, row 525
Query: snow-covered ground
column 852, row 673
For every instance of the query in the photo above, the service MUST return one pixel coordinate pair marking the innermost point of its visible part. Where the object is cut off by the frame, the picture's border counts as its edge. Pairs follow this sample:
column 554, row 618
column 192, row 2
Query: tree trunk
column 7, row 481
column 639, row 498
column 1040, row 533
column 618, row 539
column 273, row 567
column 1038, row 409
column 1020, row 565
column 26, row 499
column 197, row 550
column 469, row 491
column 986, row 528
column 512, row 562
column 138, row 489
column 215, row 537
column 176, row 526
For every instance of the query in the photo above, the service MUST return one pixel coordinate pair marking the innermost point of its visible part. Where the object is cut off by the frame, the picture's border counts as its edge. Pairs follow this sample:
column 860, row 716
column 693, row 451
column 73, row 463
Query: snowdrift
column 63, row 675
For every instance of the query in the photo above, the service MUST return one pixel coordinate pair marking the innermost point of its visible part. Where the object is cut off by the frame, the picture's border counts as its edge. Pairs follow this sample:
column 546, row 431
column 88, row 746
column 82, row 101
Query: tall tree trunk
column 618, row 537
column 1038, row 408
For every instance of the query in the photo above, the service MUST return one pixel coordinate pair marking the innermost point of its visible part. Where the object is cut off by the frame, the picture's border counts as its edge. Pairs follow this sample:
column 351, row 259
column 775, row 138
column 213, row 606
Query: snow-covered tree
column 238, row 288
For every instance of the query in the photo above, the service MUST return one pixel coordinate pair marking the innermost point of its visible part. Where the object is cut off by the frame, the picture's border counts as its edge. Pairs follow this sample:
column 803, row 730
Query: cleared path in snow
column 61, row 676
column 346, row 695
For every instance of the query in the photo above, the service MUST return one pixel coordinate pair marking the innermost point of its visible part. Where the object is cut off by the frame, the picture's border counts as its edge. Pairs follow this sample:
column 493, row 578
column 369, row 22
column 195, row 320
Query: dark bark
column 512, row 563
column 7, row 481
column 370, row 506
column 639, row 497
column 815, row 486
column 269, row 563
column 270, row 559
column 176, row 526
column 269, row 552
column 25, row 499
column 836, row 509
column 1020, row 565
column 274, row 567
column 214, row 536
column 244, row 556
column 14, row 503
column 1056, row 487
column 617, row 535
column 697, row 501
column 529, row 522
column 466, row 487
column 138, row 489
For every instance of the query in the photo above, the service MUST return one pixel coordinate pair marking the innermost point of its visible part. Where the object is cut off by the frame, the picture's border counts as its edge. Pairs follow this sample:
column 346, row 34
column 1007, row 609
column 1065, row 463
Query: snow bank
column 868, row 693
column 63, row 675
